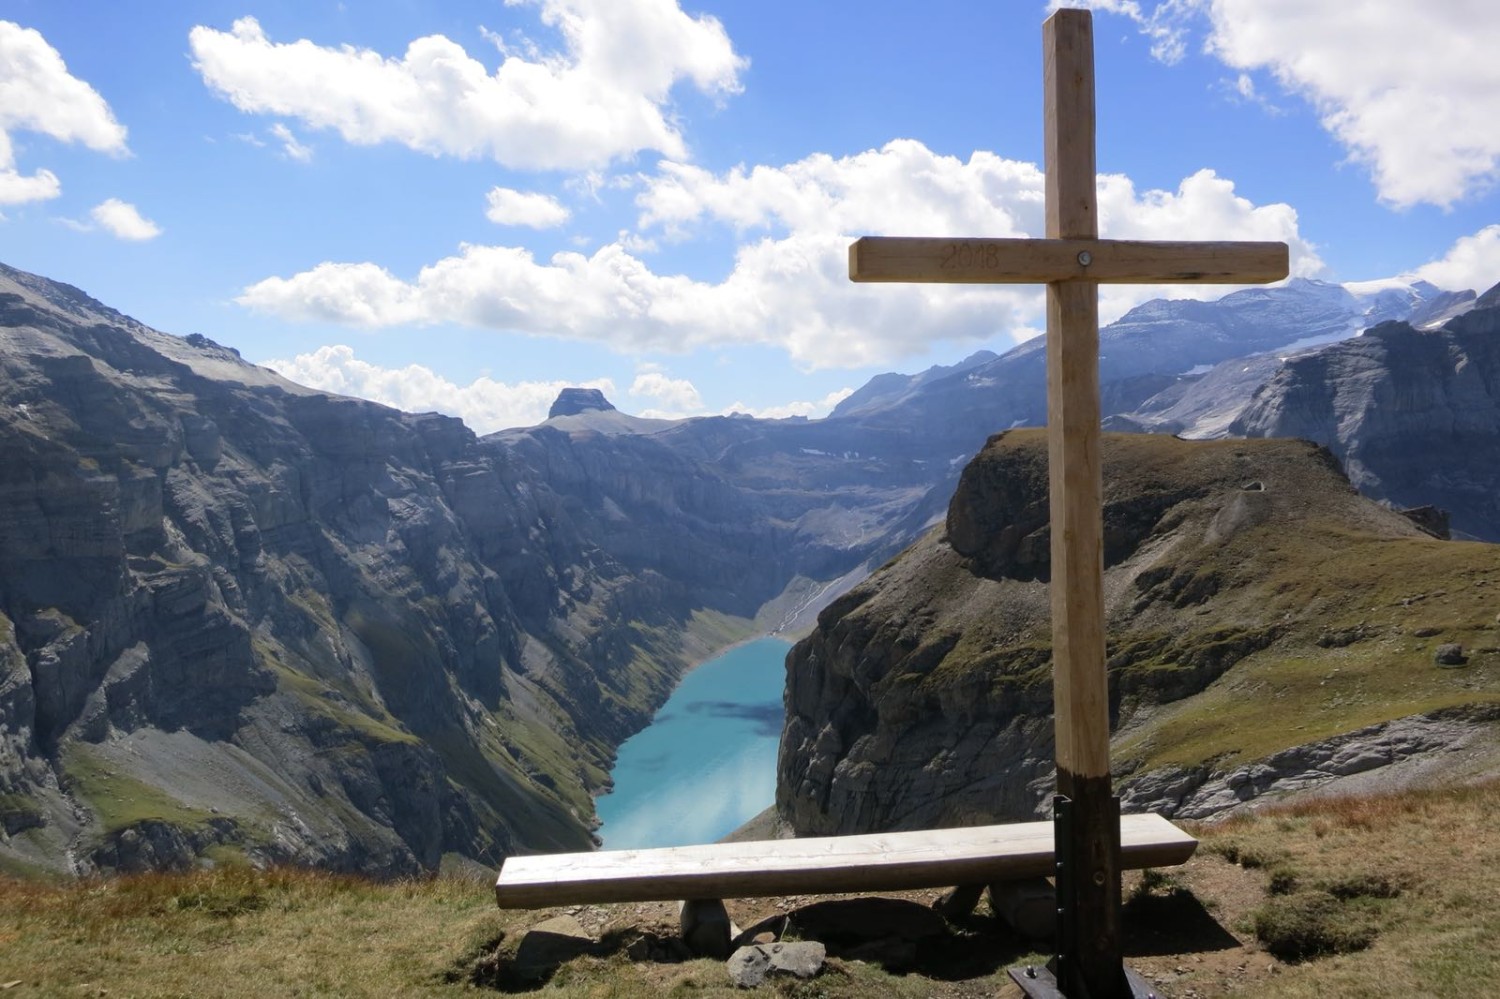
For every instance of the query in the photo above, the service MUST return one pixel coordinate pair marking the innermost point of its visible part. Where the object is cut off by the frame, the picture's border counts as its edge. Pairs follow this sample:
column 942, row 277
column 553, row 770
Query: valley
column 242, row 620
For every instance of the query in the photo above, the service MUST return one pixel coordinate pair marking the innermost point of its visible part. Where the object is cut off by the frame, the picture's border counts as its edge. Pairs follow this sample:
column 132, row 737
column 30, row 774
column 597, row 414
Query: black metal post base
column 1089, row 961
column 1040, row 983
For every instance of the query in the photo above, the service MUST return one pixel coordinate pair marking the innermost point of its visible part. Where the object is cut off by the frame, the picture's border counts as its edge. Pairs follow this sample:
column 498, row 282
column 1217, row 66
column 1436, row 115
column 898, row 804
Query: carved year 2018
column 970, row 253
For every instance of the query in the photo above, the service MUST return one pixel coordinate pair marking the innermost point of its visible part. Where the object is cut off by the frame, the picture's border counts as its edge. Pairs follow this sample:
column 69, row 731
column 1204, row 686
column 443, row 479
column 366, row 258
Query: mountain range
column 239, row 617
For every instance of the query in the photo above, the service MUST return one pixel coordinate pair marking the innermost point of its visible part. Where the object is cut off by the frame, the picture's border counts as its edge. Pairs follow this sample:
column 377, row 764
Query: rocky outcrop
column 1420, row 750
column 572, row 401
column 1256, row 603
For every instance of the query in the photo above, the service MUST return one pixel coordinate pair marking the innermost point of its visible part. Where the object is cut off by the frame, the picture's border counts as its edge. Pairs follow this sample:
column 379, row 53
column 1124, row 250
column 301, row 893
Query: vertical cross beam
column 1090, row 961
column 1072, row 260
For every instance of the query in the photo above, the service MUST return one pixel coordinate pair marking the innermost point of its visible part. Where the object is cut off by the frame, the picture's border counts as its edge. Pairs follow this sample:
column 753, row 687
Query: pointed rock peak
column 572, row 401
column 1489, row 299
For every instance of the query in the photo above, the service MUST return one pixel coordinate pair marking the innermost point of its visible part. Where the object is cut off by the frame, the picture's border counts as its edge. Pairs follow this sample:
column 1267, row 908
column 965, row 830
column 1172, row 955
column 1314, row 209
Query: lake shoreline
column 706, row 763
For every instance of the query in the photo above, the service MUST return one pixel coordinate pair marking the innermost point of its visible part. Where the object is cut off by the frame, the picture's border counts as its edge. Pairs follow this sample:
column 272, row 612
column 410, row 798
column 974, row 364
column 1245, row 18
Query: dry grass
column 1416, row 874
column 1420, row 870
column 241, row 932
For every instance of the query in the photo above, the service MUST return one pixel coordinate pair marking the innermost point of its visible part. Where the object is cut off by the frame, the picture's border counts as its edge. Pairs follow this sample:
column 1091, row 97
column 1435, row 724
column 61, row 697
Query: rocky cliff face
column 237, row 615
column 1409, row 412
column 1255, row 603
column 240, row 616
column 218, row 587
column 1408, row 406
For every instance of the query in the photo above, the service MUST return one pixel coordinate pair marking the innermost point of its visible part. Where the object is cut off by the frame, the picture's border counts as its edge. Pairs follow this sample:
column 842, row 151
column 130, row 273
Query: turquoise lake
column 707, row 763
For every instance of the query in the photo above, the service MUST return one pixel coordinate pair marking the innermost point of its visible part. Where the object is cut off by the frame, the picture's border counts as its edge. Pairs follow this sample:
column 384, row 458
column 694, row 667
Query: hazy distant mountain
column 891, row 389
column 1408, row 406
column 1154, row 348
column 1413, row 414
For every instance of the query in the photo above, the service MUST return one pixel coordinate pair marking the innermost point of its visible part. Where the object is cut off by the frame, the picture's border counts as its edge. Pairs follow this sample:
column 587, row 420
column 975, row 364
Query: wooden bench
column 875, row 862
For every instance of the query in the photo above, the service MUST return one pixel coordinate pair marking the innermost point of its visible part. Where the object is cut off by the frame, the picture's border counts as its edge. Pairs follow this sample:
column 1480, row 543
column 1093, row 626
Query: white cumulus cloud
column 1163, row 25
column 485, row 405
column 1472, row 262
column 124, row 221
column 1412, row 92
column 604, row 96
column 538, row 211
column 812, row 409
column 902, row 188
column 677, row 396
column 788, row 286
column 38, row 94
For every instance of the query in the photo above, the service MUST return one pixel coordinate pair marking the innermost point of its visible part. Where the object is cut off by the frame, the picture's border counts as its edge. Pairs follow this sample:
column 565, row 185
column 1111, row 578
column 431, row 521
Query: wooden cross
column 1072, row 261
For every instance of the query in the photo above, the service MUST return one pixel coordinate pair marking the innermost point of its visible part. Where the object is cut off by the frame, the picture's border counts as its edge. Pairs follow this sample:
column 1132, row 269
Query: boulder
column 572, row 401
column 1029, row 906
column 550, row 943
column 1450, row 654
column 749, row 966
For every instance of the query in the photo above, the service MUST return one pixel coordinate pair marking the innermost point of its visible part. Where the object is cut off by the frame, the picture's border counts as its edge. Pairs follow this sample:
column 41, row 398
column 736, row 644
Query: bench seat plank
column 895, row 861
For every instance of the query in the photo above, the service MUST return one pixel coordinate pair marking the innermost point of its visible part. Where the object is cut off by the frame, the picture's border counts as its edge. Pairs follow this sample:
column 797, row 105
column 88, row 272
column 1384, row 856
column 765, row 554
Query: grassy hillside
column 1404, row 884
column 1256, row 560
column 1256, row 603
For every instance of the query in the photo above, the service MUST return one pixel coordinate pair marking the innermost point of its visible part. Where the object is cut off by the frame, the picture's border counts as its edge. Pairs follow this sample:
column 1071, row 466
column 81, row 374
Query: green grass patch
column 1347, row 628
column 18, row 812
column 1272, row 701
column 718, row 630
column 1308, row 924
column 540, row 816
column 19, row 870
column 322, row 699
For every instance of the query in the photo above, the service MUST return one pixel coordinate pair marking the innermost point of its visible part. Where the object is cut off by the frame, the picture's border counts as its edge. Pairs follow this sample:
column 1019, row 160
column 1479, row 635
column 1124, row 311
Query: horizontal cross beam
column 1042, row 261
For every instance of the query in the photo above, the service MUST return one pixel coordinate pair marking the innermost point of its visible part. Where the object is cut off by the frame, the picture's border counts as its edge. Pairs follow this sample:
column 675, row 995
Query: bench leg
column 958, row 903
column 706, row 927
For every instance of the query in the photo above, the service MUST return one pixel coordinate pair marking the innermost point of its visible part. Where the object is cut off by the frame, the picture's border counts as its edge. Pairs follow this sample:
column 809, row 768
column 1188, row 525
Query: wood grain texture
column 1076, row 494
column 875, row 862
column 1039, row 261
column 1068, row 123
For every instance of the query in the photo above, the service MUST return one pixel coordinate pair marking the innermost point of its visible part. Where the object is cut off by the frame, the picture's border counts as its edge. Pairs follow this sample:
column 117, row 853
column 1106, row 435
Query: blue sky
column 465, row 205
